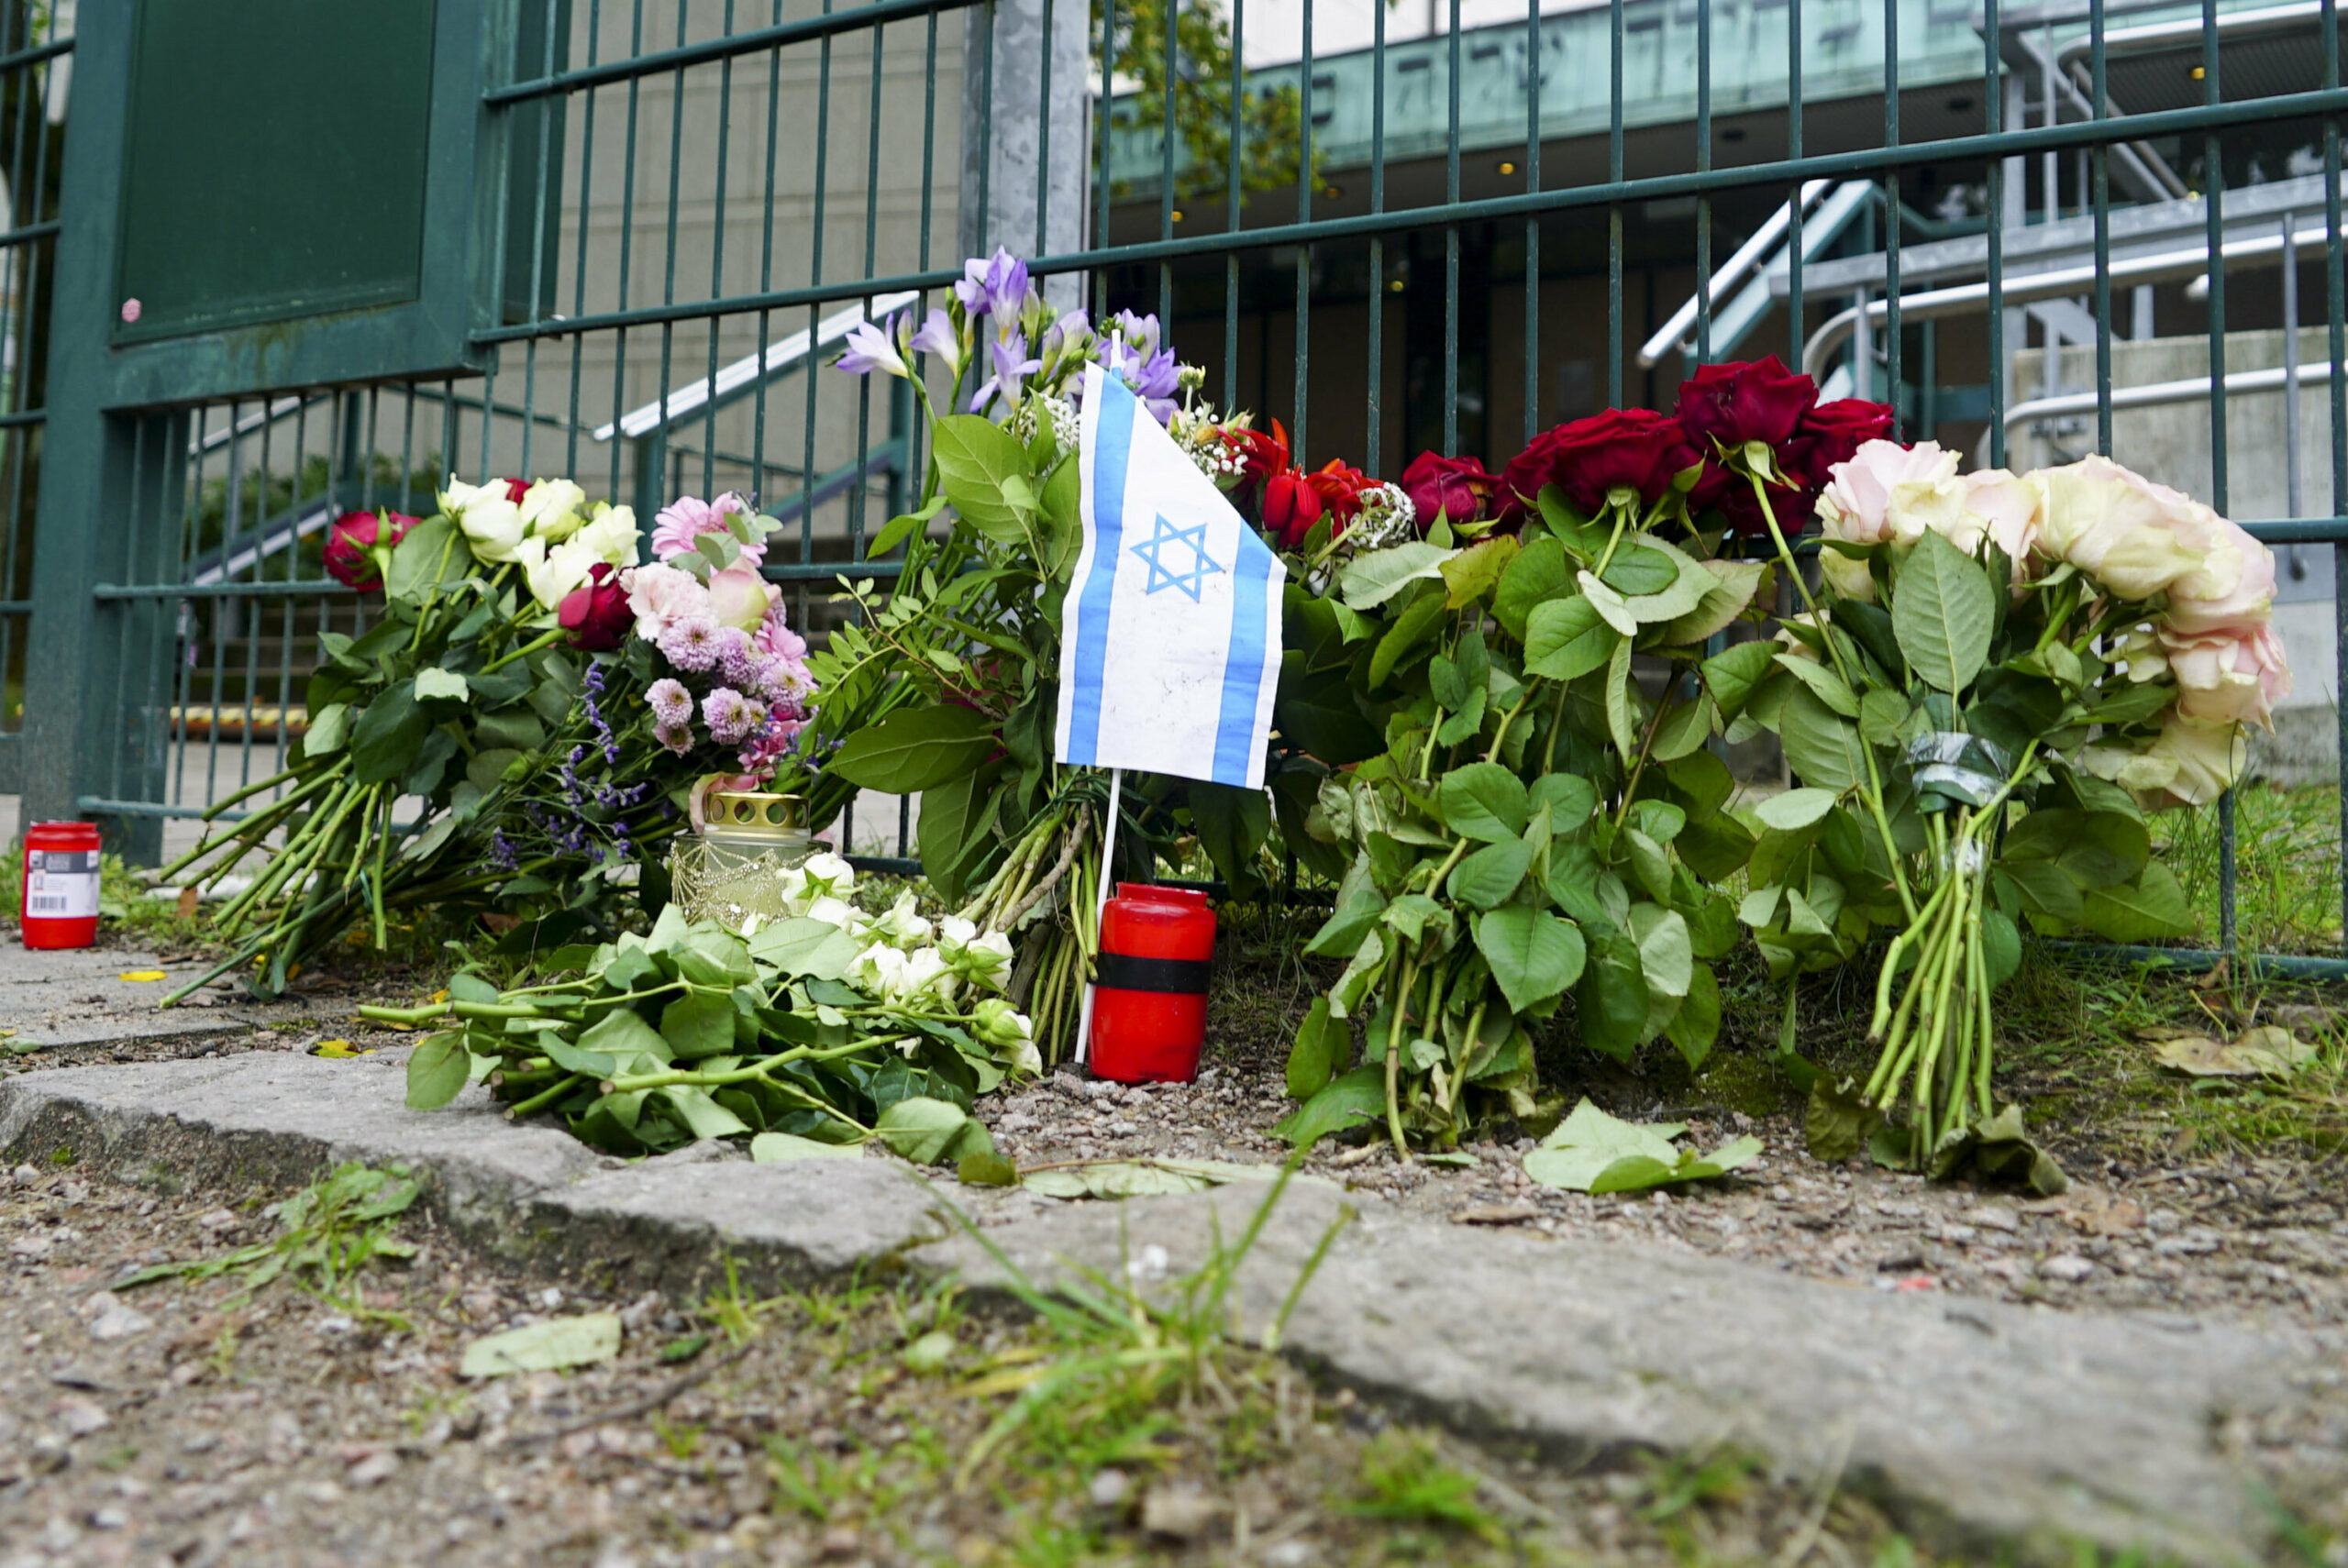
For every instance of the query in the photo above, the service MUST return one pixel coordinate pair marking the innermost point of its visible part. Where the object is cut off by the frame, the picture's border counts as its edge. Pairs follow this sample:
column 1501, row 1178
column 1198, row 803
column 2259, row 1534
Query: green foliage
column 1270, row 118
column 326, row 1235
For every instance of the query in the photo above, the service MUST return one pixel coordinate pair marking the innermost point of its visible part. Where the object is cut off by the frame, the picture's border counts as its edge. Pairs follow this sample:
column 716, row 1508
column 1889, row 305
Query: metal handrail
column 1747, row 259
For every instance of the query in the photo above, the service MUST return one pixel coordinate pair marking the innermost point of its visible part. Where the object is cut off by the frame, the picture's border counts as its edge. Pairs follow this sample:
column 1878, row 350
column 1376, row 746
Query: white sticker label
column 62, row 885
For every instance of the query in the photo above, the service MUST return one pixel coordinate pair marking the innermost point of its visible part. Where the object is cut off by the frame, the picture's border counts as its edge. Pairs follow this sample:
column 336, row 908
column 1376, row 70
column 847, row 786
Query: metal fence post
column 1023, row 189
column 65, row 725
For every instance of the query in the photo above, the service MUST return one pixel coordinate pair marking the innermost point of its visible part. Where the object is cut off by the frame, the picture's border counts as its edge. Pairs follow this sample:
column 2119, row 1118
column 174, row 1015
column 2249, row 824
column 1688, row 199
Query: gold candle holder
column 734, row 869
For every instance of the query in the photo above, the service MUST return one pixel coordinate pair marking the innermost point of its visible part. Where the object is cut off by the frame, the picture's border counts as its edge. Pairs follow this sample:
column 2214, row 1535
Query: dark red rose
column 1291, row 506
column 1758, row 401
column 1829, row 434
column 1456, row 488
column 515, row 489
column 1632, row 448
column 351, row 541
column 1741, row 510
column 595, row 612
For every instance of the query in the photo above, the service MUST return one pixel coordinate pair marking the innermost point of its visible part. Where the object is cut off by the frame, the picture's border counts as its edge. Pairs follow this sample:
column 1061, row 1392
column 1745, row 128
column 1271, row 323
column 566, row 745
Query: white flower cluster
column 1066, row 420
column 1388, row 517
column 1199, row 433
column 910, row 961
column 549, row 527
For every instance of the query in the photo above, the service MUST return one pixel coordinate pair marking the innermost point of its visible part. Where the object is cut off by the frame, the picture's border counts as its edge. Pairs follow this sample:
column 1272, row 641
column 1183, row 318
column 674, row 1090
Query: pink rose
column 1886, row 493
column 2233, row 589
column 2004, row 509
column 2229, row 678
column 740, row 597
column 662, row 594
column 2135, row 538
column 2208, row 758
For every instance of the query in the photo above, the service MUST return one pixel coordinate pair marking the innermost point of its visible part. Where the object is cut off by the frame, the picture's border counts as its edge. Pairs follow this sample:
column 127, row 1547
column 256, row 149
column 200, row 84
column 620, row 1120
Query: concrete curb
column 1971, row 1422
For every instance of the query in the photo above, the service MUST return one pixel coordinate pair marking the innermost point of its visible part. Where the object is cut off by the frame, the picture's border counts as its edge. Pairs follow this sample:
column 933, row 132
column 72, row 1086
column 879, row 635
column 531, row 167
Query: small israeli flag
column 1170, row 634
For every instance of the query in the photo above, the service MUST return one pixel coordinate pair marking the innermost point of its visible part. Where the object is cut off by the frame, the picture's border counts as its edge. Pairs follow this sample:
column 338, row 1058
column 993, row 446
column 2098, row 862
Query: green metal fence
column 690, row 200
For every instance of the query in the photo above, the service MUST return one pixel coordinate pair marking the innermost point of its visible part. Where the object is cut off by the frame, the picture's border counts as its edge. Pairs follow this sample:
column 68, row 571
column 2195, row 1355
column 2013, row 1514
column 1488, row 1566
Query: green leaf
column 899, row 529
column 329, row 727
column 1483, row 801
column 1611, row 607
column 920, row 1129
column 1796, row 807
column 1731, row 593
column 425, row 557
column 1566, row 638
column 916, row 748
column 1532, row 954
column 1638, row 570
column 1697, row 1024
column 1942, row 611
column 1625, row 708
column 619, row 1036
column 2095, row 849
column 544, row 1347
column 1371, row 580
column 2152, row 909
column 1821, row 746
column 1412, row 627
column 1471, row 574
column 1487, row 877
column 437, row 1073
column 1312, row 1058
column 1356, row 1097
column 800, row 947
column 976, row 459
column 441, row 685
column 699, row 1023
column 1612, row 1000
column 774, row 1148
column 1666, row 955
column 1570, row 797
column 2046, row 892
column 1732, row 675
column 1830, row 688
column 1233, row 823
column 388, row 733
column 2000, row 947
column 1837, row 1121
column 1539, row 572
column 1683, row 729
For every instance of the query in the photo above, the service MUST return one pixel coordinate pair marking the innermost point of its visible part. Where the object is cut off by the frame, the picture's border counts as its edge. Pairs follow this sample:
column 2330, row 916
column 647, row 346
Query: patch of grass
column 2286, row 867
column 1404, row 1478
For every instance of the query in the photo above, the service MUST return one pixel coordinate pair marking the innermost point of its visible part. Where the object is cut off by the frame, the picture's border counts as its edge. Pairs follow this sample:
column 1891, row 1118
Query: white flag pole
column 1099, row 902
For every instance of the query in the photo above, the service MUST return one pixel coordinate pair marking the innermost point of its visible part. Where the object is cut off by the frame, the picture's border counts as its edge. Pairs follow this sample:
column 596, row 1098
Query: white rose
column 491, row 524
column 553, row 509
column 553, row 573
column 610, row 534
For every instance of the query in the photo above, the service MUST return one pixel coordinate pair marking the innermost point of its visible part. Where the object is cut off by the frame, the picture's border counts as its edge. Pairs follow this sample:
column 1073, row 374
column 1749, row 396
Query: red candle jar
column 1149, row 1007
column 61, row 885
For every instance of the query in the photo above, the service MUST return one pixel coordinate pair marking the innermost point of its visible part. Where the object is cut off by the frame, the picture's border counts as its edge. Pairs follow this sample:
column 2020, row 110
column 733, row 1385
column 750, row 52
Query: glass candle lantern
column 733, row 870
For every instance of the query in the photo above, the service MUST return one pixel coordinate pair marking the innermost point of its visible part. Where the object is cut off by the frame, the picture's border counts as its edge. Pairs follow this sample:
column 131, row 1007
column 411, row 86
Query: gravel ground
column 172, row 1426
column 2261, row 1243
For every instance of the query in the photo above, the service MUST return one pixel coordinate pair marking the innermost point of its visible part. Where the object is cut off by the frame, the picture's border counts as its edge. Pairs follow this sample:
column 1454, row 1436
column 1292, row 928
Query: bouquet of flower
column 944, row 685
column 827, row 1027
column 2075, row 645
column 461, row 668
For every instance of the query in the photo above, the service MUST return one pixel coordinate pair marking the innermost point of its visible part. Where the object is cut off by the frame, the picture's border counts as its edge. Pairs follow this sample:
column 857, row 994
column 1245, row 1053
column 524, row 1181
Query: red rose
column 1833, row 433
column 1633, row 448
column 351, row 540
column 1758, row 401
column 1741, row 510
column 515, row 489
column 595, row 612
column 1456, row 489
column 1291, row 506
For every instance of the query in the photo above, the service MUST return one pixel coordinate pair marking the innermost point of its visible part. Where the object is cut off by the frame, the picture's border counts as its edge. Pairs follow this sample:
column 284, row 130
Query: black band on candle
column 1126, row 972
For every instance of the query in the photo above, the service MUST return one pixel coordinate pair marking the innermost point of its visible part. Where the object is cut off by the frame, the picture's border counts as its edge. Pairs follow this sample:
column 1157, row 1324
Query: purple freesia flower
column 871, row 349
column 1012, row 366
column 938, row 336
column 1140, row 332
column 1154, row 378
column 996, row 286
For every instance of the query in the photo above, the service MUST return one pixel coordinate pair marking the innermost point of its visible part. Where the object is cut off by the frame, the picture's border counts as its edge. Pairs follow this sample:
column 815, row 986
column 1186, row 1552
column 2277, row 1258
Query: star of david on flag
column 1170, row 633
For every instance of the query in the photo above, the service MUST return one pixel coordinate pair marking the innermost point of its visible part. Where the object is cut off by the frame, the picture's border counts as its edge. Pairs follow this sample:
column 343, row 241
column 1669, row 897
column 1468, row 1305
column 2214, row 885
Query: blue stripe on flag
column 1242, row 666
column 1112, row 443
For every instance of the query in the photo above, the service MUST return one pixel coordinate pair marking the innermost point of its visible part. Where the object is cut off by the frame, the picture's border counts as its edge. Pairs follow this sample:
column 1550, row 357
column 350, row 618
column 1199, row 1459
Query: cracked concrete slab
column 1971, row 1422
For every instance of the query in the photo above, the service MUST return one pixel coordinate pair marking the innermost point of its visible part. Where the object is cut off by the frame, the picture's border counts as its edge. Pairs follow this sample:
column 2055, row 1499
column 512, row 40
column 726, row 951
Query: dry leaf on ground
column 2264, row 1051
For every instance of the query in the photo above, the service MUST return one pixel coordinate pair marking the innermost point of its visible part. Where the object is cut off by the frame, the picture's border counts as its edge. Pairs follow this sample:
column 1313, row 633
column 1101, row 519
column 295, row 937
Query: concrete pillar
column 1003, row 147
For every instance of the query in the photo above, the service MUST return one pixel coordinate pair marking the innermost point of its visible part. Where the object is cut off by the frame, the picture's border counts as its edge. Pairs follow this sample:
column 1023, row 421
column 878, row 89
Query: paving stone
column 78, row 997
column 1970, row 1421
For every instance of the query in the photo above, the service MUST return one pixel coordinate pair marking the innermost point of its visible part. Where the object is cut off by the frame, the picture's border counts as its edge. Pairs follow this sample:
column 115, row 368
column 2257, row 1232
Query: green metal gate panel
column 275, row 165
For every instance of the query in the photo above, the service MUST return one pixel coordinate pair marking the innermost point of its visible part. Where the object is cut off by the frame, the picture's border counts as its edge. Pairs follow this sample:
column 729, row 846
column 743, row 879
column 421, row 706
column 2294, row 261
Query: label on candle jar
column 61, row 884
